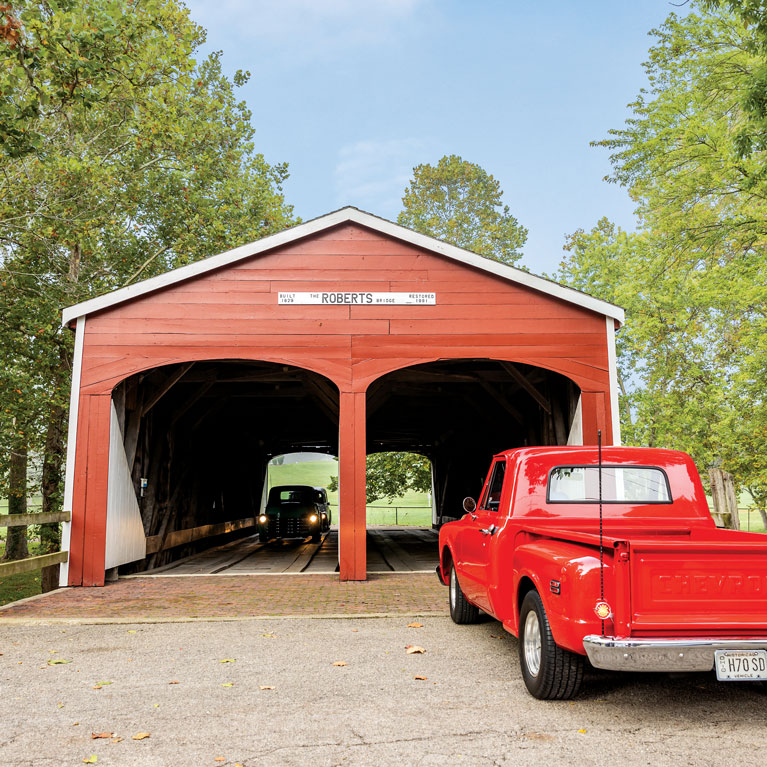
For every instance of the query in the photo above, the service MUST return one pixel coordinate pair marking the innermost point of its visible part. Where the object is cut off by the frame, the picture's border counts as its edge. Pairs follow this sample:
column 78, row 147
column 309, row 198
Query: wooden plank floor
column 389, row 549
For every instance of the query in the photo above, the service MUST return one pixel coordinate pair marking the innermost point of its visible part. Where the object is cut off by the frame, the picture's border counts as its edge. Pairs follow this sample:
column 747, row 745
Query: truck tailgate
column 707, row 586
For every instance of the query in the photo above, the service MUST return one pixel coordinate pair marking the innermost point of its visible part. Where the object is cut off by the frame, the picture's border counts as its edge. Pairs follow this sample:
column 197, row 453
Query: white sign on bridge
column 358, row 298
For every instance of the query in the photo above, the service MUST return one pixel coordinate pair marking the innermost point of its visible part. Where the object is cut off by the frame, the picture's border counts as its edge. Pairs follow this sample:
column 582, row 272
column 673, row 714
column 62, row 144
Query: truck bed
column 675, row 580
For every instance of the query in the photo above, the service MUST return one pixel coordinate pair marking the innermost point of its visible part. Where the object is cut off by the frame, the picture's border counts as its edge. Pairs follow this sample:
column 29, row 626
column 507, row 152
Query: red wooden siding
column 233, row 313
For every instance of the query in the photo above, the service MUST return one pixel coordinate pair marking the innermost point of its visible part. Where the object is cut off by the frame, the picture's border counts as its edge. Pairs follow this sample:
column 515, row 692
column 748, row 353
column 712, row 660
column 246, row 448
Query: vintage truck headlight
column 263, row 519
column 313, row 518
column 324, row 515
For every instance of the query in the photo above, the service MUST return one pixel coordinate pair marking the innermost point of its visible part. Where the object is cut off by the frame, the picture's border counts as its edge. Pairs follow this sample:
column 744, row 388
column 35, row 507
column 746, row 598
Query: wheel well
column 447, row 560
column 525, row 584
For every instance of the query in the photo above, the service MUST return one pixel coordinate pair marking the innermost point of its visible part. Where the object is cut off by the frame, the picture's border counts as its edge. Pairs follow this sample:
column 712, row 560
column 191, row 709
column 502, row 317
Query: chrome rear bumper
column 662, row 654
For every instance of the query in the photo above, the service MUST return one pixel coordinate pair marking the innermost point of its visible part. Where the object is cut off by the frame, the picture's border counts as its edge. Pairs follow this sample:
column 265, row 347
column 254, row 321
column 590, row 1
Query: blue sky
column 354, row 93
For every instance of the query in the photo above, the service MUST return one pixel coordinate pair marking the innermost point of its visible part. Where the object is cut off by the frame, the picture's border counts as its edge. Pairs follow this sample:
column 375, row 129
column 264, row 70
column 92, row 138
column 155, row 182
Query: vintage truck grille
column 289, row 528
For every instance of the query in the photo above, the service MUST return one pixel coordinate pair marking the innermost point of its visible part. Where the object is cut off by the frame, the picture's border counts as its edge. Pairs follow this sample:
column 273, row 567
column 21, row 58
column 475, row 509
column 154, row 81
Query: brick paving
column 238, row 597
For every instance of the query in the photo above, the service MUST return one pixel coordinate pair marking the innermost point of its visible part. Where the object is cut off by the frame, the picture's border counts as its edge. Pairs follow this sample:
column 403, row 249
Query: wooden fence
column 28, row 564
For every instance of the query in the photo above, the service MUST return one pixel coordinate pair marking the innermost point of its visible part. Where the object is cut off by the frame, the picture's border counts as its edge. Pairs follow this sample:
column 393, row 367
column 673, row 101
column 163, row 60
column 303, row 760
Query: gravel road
column 170, row 680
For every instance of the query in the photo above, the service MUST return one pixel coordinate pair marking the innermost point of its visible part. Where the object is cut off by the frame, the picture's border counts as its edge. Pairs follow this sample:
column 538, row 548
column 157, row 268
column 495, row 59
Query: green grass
column 19, row 586
column 412, row 509
column 753, row 525
column 13, row 587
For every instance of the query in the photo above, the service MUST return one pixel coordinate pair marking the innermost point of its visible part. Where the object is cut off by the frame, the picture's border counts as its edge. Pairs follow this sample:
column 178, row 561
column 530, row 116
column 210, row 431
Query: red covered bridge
column 346, row 335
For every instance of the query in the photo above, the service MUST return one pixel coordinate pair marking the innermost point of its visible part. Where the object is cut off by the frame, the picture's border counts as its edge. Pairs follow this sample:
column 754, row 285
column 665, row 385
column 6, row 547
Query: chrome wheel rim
column 532, row 642
column 453, row 587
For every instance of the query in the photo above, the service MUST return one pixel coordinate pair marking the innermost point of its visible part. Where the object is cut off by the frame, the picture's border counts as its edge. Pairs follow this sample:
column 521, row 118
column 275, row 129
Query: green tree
column 122, row 158
column 391, row 475
column 694, row 278
column 460, row 202
column 751, row 136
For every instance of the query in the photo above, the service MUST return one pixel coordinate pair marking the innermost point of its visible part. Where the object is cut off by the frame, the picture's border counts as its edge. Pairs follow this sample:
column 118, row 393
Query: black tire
column 316, row 537
column 550, row 673
column 263, row 537
column 461, row 610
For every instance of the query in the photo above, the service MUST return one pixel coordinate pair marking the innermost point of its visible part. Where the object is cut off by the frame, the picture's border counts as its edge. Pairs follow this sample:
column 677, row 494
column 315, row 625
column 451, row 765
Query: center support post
column 352, row 452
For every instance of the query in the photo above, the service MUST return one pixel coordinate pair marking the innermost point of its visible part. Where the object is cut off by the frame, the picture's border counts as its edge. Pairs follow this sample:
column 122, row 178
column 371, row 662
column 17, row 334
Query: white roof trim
column 344, row 215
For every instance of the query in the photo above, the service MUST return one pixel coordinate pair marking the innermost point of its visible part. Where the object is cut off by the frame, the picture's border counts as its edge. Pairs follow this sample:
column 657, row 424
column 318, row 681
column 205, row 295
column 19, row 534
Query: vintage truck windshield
column 300, row 495
column 620, row 484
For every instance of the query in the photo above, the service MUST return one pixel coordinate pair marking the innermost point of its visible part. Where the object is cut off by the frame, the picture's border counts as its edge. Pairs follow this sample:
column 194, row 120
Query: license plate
column 740, row 665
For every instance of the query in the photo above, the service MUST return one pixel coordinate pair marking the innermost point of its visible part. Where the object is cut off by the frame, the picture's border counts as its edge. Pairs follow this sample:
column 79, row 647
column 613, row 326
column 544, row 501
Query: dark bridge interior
column 201, row 433
column 459, row 413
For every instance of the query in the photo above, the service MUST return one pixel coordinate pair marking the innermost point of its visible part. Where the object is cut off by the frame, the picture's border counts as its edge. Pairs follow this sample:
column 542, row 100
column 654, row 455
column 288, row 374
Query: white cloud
column 373, row 174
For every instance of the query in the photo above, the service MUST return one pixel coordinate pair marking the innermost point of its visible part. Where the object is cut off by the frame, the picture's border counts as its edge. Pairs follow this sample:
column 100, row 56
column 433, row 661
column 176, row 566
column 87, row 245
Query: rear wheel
column 461, row 610
column 550, row 672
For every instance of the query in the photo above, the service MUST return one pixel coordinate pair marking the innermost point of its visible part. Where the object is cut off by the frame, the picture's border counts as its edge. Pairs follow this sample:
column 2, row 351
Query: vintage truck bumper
column 660, row 654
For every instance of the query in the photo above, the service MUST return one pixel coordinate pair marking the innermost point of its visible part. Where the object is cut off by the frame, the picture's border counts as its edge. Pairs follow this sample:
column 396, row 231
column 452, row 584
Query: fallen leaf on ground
column 97, row 735
column 131, row 631
column 60, row 705
column 412, row 649
column 140, row 736
column 582, row 731
column 174, row 681
column 227, row 660
column 269, row 636
column 415, row 625
column 422, row 678
column 265, row 687
column 116, row 740
column 96, row 686
column 156, row 705
column 220, row 759
column 57, row 661
column 228, row 684
column 103, row 683
column 92, row 759
column 339, row 663
column 74, row 724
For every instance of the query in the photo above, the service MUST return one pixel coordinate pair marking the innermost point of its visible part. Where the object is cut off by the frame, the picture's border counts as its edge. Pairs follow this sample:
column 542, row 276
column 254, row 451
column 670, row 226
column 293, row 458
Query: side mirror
column 469, row 505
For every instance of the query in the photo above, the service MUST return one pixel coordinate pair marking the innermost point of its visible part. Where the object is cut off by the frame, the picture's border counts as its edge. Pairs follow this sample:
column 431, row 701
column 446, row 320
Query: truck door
column 477, row 545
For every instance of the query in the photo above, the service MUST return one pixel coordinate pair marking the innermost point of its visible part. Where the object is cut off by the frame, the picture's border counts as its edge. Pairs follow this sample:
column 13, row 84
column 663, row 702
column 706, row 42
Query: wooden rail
column 16, row 566
column 155, row 543
column 36, row 518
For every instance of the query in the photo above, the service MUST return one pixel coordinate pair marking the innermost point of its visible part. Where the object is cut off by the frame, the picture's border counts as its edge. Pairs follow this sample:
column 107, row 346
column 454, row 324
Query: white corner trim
column 125, row 540
column 575, row 437
column 69, row 476
column 344, row 215
column 612, row 362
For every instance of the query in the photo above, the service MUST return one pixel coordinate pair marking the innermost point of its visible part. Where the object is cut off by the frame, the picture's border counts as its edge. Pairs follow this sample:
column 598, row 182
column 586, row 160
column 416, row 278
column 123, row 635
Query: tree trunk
column 16, row 540
column 51, row 481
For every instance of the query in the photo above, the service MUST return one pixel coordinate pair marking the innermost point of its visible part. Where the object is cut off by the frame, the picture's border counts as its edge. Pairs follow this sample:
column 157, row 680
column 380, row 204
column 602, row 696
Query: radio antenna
column 601, row 545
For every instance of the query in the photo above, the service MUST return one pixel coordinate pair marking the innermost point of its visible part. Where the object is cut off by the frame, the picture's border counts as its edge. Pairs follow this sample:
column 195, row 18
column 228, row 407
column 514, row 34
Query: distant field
column 412, row 509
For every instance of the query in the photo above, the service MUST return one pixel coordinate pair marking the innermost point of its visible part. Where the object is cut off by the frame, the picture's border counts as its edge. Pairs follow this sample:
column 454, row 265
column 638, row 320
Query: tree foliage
column 391, row 475
column 122, row 157
column 460, row 202
column 694, row 277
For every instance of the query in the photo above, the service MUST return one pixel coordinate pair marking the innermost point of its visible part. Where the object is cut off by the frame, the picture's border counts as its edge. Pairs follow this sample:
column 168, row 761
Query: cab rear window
column 620, row 484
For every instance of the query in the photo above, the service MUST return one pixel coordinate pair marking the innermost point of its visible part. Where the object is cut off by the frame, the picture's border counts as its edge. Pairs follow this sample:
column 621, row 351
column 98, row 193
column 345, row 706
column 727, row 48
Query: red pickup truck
column 655, row 587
